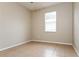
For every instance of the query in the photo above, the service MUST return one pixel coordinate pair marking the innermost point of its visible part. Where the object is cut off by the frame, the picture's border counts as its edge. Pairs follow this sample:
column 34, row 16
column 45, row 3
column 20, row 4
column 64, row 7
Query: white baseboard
column 14, row 45
column 52, row 42
column 76, row 51
column 30, row 41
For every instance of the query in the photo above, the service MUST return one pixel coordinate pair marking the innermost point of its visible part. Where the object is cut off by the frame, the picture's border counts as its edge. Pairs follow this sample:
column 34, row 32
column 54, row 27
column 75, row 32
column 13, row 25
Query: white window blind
column 50, row 22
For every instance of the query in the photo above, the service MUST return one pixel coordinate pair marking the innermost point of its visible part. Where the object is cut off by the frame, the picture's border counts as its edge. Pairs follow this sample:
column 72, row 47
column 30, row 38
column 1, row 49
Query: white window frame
column 52, row 21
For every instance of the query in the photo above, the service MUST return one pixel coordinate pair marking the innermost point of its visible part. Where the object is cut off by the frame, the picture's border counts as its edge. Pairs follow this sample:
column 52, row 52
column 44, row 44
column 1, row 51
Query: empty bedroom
column 39, row 29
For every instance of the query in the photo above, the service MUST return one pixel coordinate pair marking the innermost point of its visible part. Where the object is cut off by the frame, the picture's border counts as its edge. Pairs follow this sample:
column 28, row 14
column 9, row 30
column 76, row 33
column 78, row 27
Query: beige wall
column 76, row 27
column 64, row 24
column 14, row 24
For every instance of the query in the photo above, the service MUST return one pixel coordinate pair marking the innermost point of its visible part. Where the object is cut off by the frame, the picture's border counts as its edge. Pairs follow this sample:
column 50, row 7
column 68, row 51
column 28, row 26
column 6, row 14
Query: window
column 50, row 22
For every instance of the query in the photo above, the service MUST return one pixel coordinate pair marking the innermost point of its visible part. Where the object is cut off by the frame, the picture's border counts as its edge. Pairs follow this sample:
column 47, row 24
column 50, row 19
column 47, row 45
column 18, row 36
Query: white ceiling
column 37, row 5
